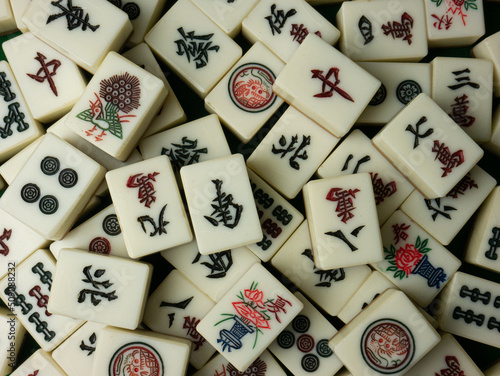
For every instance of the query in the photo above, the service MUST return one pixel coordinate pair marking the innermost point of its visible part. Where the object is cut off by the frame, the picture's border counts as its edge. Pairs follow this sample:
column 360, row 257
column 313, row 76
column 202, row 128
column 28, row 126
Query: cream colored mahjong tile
column 28, row 296
column 7, row 19
column 171, row 113
column 18, row 8
column 391, row 336
column 221, row 204
column 39, row 364
column 291, row 151
column 463, row 88
column 215, row 273
column 282, row 25
column 331, row 288
column 342, row 219
column 323, row 84
column 149, row 207
column 249, row 317
column 51, row 83
column 392, row 30
column 427, row 147
column 228, row 15
column 493, row 145
column 482, row 249
column 10, row 345
column 401, row 82
column 443, row 217
column 117, row 106
column 357, row 154
column 193, row 46
column 488, row 49
column 244, row 99
column 84, row 31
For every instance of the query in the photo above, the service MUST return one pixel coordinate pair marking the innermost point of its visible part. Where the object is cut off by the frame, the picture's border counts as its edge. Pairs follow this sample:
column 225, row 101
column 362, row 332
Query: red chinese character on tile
column 399, row 232
column 190, row 324
column 44, row 73
column 453, row 368
column 345, row 204
column 300, row 32
column 145, row 185
column 400, row 29
column 333, row 86
column 447, row 158
column 278, row 306
column 459, row 112
column 4, row 248
column 381, row 190
column 459, row 189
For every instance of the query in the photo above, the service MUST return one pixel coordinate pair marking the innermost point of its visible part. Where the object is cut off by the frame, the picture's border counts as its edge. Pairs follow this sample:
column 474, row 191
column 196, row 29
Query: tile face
column 19, row 128
column 28, row 295
column 343, row 234
column 104, row 289
column 482, row 249
column 390, row 336
column 175, row 308
column 462, row 88
column 148, row 206
column 249, row 317
column 51, row 83
column 469, row 308
column 10, row 343
column 282, row 25
column 39, row 364
column 123, row 98
column 181, row 34
column 215, row 273
column 413, row 260
column 291, row 152
column 322, row 83
column 303, row 346
column 244, row 99
column 331, row 288
column 383, row 30
column 443, row 217
column 52, row 188
column 100, row 234
column 123, row 352
column 488, row 49
column 357, row 154
column 221, row 204
column 401, row 82
column 430, row 151
column 79, row 29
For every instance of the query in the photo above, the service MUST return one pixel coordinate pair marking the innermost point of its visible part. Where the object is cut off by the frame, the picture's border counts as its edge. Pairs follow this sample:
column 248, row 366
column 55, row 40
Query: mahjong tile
column 493, row 145
column 124, row 352
column 84, row 31
column 11, row 340
column 196, row 141
column 100, row 234
column 193, row 46
column 427, row 147
column 17, row 241
column 357, row 154
column 447, row 358
column 18, row 8
column 282, row 26
column 117, row 106
column 463, row 88
column 469, row 307
column 249, row 317
column 7, row 19
column 452, row 23
column 324, row 84
column 214, row 274
column 443, row 217
column 264, row 365
column 175, row 308
column 100, row 288
column 488, row 49
column 221, row 204
column 484, row 240
column 76, row 354
column 392, row 30
column 52, row 188
column 390, row 336
column 331, row 288
column 343, row 223
column 50, row 82
column 28, row 295
column 228, row 15
column 19, row 127
column 171, row 113
column 149, row 207
column 291, row 152
column 303, row 346
column 401, row 82
column 371, row 289
column 39, row 364
column 244, row 99
column 413, row 260
column 494, row 370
